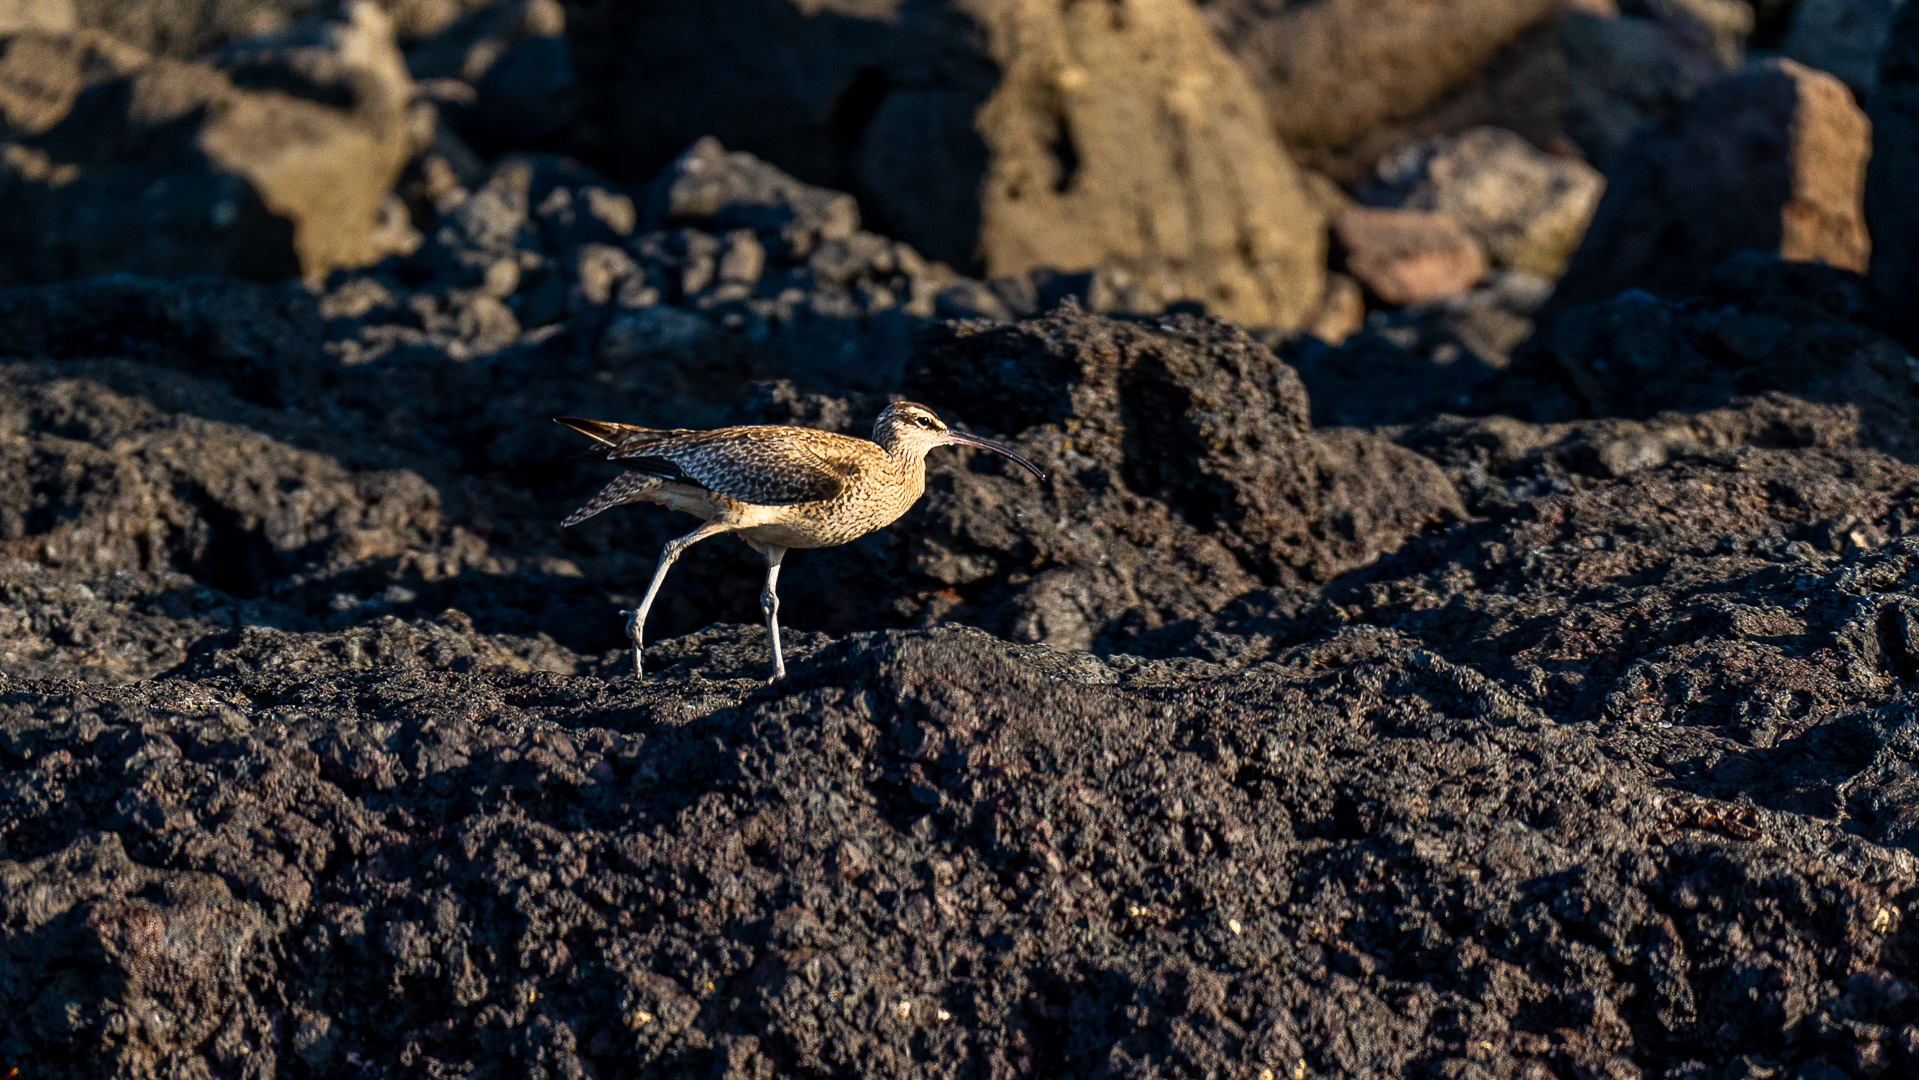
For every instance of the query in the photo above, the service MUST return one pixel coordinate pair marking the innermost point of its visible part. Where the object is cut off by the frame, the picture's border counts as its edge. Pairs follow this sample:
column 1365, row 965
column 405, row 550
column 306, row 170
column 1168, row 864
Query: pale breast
column 873, row 501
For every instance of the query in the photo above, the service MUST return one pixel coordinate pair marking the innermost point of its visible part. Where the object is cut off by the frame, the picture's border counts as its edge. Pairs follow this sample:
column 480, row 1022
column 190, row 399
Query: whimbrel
column 777, row 488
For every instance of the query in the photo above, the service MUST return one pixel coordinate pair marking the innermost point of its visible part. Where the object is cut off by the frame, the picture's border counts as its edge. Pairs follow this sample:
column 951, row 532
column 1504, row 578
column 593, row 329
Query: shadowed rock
column 1772, row 159
column 1051, row 138
column 275, row 159
column 1332, row 72
column 1893, row 175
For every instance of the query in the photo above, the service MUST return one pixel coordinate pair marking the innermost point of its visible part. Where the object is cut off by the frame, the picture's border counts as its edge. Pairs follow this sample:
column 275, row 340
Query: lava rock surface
column 1597, row 763
column 1515, row 684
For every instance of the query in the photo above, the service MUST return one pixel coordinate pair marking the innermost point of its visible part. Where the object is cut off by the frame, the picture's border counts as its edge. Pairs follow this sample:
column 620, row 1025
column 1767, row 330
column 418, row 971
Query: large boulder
column 1893, row 175
column 1772, row 159
column 1183, row 467
column 275, row 159
column 1623, row 73
column 1352, row 81
column 987, row 133
column 1331, row 72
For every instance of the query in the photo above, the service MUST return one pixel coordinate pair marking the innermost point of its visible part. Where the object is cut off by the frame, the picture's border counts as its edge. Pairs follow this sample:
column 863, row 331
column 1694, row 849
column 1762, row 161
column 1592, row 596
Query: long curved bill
column 957, row 438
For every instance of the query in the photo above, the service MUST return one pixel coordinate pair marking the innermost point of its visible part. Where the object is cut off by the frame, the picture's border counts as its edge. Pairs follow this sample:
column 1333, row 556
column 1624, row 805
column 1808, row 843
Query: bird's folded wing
column 764, row 466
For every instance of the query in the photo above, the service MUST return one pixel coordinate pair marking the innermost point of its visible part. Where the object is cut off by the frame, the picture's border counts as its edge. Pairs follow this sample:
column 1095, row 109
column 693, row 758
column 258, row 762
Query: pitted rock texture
column 1182, row 467
column 1184, row 473
column 924, row 855
column 724, row 263
column 97, row 482
column 1494, row 748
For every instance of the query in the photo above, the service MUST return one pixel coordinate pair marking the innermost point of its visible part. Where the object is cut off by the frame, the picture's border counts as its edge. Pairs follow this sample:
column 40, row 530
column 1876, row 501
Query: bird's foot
column 632, row 631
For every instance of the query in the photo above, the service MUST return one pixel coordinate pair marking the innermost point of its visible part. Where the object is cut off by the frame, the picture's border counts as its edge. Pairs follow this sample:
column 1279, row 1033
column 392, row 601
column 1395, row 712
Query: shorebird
column 777, row 488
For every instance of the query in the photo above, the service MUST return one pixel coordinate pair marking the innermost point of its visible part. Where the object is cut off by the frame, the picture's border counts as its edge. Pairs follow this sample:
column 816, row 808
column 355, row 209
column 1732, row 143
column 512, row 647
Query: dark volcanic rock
column 1183, row 469
column 1514, row 746
column 726, row 267
column 1757, row 323
column 921, row 856
column 1414, row 362
column 1165, row 503
column 1558, row 787
column 1845, row 37
column 1761, row 324
column 517, row 68
column 97, row 482
column 1623, row 72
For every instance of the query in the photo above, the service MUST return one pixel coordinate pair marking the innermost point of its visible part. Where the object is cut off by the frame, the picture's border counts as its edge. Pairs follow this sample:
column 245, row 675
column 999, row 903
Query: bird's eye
column 923, row 421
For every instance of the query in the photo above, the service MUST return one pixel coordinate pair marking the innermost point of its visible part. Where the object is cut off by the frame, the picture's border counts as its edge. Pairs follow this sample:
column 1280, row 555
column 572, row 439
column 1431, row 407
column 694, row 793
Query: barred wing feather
column 765, row 466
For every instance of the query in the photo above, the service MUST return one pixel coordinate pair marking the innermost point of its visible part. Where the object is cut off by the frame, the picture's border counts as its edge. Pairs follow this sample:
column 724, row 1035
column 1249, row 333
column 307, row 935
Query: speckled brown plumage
column 777, row 488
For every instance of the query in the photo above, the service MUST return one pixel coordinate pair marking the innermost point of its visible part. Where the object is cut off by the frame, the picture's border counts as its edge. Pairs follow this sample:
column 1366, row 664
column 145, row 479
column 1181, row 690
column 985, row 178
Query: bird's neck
column 909, row 464
column 907, row 460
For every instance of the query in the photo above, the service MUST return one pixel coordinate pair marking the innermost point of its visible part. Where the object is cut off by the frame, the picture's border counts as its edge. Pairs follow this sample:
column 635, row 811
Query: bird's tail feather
column 625, row 488
column 617, row 436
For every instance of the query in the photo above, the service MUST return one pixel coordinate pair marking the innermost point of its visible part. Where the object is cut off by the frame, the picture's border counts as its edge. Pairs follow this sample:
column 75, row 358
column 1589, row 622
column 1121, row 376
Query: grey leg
column 636, row 620
column 770, row 603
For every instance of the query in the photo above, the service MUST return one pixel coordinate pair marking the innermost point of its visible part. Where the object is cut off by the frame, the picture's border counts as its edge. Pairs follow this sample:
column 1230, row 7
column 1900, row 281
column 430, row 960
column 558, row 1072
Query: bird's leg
column 770, row 603
column 636, row 620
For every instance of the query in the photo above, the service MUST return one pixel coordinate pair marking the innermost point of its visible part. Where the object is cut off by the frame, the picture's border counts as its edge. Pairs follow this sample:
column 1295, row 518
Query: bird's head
column 911, row 430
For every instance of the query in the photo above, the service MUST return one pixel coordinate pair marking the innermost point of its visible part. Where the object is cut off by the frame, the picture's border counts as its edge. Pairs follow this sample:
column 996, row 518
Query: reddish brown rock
column 1528, row 208
column 1409, row 256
